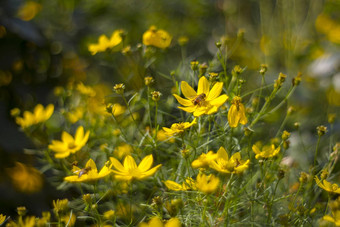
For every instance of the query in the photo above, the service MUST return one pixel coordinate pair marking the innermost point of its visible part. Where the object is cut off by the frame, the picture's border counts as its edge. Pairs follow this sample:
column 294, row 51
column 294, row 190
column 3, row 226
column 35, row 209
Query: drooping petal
column 233, row 116
column 215, row 91
column 187, row 90
column 146, row 163
column 203, row 86
column 58, row 146
column 129, row 163
column 184, row 102
column 219, row 101
column 243, row 118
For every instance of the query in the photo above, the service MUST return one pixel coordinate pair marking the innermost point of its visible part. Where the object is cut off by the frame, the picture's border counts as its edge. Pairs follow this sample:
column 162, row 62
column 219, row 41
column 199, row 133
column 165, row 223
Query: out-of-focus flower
column 334, row 188
column 39, row 115
column 204, row 101
column 267, row 151
column 187, row 185
column 69, row 145
column 5, row 78
column 156, row 95
column 178, row 128
column 130, row 171
column 29, row 10
column 25, row 178
column 207, row 183
column 75, row 115
column 324, row 24
column 86, row 90
column 15, row 112
column 2, row 219
column 237, row 113
column 123, row 150
column 204, row 160
column 223, row 164
column 60, row 205
column 335, row 218
column 162, row 136
column 183, row 40
column 88, row 173
column 158, row 38
column 157, row 222
column 110, row 214
column 118, row 109
column 69, row 219
column 105, row 43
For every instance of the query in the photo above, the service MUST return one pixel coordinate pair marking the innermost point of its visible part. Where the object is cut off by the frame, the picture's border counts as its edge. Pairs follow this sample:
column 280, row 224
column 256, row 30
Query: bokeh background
column 44, row 45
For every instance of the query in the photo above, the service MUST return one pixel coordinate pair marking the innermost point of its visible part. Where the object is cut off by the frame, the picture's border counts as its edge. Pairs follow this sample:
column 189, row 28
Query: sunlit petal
column 187, row 90
column 203, row 86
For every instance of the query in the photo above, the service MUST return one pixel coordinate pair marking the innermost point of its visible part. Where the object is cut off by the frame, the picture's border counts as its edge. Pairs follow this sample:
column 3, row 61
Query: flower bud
column 194, row 65
column 156, row 95
column 119, row 88
column 183, row 40
column 87, row 198
column 297, row 125
column 263, row 69
column 218, row 44
column 185, row 153
column 285, row 135
column 281, row 174
column 21, row 211
column 321, row 130
column 303, row 177
column 296, row 80
column 203, row 68
column 286, row 144
column 237, row 70
column 148, row 80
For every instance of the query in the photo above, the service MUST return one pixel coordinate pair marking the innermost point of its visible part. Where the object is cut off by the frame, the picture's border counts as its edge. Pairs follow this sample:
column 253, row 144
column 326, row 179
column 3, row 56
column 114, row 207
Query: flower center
column 71, row 145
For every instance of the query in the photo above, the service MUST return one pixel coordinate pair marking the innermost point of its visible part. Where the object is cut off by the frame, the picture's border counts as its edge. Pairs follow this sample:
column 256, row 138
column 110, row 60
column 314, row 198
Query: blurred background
column 44, row 45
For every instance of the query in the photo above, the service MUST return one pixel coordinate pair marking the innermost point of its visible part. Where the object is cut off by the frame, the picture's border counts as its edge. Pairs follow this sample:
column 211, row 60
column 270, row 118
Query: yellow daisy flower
column 267, row 151
column 334, row 188
column 105, row 43
column 207, row 183
column 69, row 145
column 89, row 173
column 204, row 101
column 204, row 160
column 130, row 171
column 178, row 128
column 157, row 222
column 86, row 90
column 335, row 219
column 237, row 113
column 158, row 38
column 225, row 165
column 39, row 115
column 187, row 185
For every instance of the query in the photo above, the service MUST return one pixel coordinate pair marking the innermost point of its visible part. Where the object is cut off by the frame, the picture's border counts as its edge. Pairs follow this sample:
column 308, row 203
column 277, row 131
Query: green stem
column 315, row 156
column 149, row 105
column 271, row 202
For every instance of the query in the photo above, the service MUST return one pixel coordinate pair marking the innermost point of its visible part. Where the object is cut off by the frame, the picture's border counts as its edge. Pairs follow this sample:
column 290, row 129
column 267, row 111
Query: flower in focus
column 334, row 188
column 237, row 113
column 25, row 178
column 225, row 165
column 204, row 160
column 86, row 90
column 207, row 183
column 130, row 171
column 178, row 128
column 204, row 101
column 39, row 115
column 158, row 38
column 69, row 145
column 267, row 151
column 157, row 222
column 187, row 185
column 105, row 43
column 88, row 173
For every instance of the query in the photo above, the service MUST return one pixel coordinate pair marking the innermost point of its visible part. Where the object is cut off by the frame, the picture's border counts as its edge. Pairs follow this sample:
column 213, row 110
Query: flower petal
column 91, row 164
column 188, row 109
column 182, row 101
column 117, row 165
column 129, row 163
column 146, row 163
column 149, row 172
column 187, row 90
column 79, row 135
column 219, row 101
column 203, row 86
column 67, row 138
column 215, row 91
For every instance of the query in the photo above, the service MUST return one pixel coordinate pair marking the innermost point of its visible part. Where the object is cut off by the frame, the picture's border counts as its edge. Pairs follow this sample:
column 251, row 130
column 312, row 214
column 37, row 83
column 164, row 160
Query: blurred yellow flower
column 267, row 151
column 75, row 115
column 60, row 205
column 69, row 145
column 205, row 101
column 29, row 10
column 2, row 218
column 335, row 218
column 162, row 136
column 158, row 38
column 39, row 115
column 69, row 219
column 105, row 43
column 130, row 171
column 187, row 185
column 86, row 90
column 223, row 164
column 25, row 178
column 178, row 128
column 123, row 150
column 157, row 222
column 334, row 188
column 89, row 172
column 237, row 113
column 118, row 109
column 331, row 28
column 110, row 214
column 204, row 160
column 207, row 183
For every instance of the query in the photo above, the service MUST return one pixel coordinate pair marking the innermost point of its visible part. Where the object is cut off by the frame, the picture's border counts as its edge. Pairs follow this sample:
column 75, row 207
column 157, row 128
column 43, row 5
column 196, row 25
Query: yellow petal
column 233, row 116
column 219, row 101
column 49, row 111
column 67, row 138
column 203, row 86
column 173, row 185
column 91, row 164
column 222, row 153
column 243, row 118
column 215, row 91
column 129, row 163
column 117, row 165
column 184, row 102
column 187, row 90
column 146, row 163
column 188, row 109
column 199, row 111
column 149, row 172
column 79, row 135
column 62, row 154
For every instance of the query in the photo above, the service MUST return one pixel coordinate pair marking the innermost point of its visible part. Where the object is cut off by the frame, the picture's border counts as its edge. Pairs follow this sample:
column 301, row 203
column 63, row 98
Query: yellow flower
column 204, row 160
column 334, row 188
column 75, row 115
column 60, row 205
column 118, row 109
column 178, row 128
column 69, row 219
column 204, row 101
column 335, row 219
column 267, row 151
column 89, row 173
column 123, row 150
column 105, row 43
column 39, row 115
column 225, row 165
column 25, row 178
column 29, row 10
column 207, row 183
column 158, row 38
column 187, row 185
column 130, row 171
column 110, row 214
column 86, row 90
column 237, row 113
column 69, row 145
column 2, row 218
column 157, row 222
